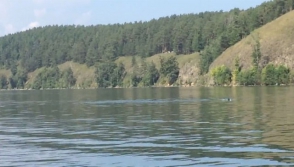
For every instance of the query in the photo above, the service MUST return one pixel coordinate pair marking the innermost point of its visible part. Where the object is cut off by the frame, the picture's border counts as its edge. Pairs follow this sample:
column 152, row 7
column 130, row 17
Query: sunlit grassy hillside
column 276, row 40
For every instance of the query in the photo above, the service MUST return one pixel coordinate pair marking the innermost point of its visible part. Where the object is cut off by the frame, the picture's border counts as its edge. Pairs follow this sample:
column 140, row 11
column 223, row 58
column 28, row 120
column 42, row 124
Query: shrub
column 221, row 75
column 249, row 77
column 272, row 75
column 269, row 75
column 170, row 69
column 283, row 75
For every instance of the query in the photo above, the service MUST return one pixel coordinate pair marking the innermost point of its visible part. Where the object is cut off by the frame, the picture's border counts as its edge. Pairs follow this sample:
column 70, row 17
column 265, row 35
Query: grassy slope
column 187, row 64
column 6, row 73
column 277, row 45
column 86, row 76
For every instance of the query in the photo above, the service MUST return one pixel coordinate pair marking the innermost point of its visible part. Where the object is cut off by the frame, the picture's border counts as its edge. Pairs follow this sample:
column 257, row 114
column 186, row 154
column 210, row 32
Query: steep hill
column 276, row 43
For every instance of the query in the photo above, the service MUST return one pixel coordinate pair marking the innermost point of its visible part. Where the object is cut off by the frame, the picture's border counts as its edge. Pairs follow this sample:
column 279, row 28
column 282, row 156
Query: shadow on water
column 150, row 126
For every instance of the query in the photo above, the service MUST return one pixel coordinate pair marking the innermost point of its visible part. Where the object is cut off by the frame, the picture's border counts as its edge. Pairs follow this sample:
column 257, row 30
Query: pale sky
column 19, row 15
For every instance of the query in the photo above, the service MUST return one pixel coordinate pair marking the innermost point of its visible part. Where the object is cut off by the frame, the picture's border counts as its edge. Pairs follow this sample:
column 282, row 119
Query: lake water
column 148, row 127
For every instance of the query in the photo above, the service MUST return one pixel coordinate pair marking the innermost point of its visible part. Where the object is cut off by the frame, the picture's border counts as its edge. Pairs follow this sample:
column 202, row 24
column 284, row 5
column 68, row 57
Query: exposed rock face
column 189, row 74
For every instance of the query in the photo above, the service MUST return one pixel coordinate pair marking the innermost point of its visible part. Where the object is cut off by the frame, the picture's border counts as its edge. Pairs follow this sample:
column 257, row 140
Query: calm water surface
column 148, row 127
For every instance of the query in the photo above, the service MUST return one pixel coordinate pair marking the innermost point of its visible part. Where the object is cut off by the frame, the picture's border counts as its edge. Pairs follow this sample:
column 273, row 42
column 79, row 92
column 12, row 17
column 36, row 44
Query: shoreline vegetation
column 173, row 86
column 174, row 51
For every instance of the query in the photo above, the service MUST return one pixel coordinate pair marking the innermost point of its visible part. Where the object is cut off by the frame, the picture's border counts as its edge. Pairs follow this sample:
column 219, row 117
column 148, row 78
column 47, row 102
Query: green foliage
column 256, row 54
column 224, row 42
column 254, row 76
column 151, row 75
column 209, row 54
column 18, row 80
column 91, row 57
column 135, row 76
column 144, row 74
column 169, row 68
column 104, row 72
column 38, row 83
column 269, row 75
column 3, row 82
column 67, row 79
column 135, row 80
column 221, row 75
column 237, row 64
column 109, row 74
column 48, row 78
column 283, row 75
column 249, row 77
column 51, row 77
column 79, row 52
column 236, row 71
column 272, row 75
column 13, row 69
column 118, row 75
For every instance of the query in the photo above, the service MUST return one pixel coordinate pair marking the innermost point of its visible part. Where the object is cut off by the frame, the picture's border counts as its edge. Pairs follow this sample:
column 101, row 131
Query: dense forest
column 208, row 33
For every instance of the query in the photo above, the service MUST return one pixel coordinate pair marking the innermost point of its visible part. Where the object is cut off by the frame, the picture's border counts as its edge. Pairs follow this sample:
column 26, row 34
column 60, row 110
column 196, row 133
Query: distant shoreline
column 183, row 86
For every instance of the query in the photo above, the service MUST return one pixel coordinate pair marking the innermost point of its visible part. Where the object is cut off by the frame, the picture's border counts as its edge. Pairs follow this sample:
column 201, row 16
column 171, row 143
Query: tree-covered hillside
column 209, row 33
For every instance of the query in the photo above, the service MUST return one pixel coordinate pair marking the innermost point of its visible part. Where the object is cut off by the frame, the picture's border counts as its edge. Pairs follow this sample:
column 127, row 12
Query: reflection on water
column 147, row 127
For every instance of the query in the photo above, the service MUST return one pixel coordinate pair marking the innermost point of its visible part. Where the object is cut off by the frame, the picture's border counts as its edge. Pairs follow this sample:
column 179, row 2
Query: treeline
column 270, row 75
column 208, row 32
column 50, row 78
column 47, row 78
column 108, row 74
column 142, row 73
column 258, row 74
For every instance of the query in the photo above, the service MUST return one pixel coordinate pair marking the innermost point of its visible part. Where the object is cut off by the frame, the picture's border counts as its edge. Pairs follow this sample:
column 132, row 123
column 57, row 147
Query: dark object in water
column 226, row 99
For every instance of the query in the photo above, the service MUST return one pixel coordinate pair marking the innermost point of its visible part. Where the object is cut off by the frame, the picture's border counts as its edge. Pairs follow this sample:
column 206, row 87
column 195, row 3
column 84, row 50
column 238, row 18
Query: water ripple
column 176, row 128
